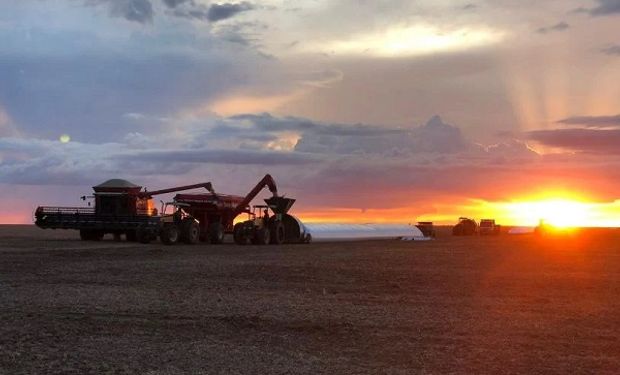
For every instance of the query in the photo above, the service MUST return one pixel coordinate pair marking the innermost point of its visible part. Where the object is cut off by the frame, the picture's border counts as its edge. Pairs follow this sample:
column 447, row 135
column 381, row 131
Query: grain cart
column 465, row 227
column 488, row 227
column 122, row 208
column 217, row 212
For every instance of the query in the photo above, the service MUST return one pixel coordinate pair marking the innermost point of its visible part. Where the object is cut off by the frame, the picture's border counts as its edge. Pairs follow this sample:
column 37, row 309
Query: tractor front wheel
column 169, row 234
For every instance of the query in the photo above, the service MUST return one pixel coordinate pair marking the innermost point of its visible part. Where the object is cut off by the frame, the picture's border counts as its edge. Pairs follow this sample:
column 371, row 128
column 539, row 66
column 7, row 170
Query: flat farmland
column 504, row 304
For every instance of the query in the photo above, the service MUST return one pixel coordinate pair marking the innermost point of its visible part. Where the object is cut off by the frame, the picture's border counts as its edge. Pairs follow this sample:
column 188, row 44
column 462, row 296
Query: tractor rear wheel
column 277, row 233
column 169, row 234
column 216, row 232
column 238, row 235
column 190, row 232
column 262, row 236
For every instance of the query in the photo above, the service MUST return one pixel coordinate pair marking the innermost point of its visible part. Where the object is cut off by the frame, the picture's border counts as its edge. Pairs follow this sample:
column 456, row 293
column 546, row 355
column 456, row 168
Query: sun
column 560, row 213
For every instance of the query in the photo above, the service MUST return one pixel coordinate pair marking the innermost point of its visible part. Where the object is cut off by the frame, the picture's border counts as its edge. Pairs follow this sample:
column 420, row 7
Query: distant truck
column 465, row 227
column 488, row 227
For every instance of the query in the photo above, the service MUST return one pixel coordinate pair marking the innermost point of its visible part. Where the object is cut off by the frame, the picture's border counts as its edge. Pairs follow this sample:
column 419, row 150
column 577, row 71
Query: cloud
column 561, row 26
column 592, row 121
column 595, row 141
column 236, row 157
column 140, row 11
column 613, row 50
column 606, row 7
column 175, row 3
column 219, row 12
column 433, row 137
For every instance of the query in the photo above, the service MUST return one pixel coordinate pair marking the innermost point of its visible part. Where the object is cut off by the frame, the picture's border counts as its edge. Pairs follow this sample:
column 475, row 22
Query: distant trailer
column 348, row 232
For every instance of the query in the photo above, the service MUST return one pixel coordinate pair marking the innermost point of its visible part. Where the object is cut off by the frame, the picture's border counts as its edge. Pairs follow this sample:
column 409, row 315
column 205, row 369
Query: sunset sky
column 362, row 110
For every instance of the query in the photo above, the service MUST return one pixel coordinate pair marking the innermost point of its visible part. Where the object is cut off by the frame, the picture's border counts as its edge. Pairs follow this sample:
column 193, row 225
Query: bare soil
column 505, row 304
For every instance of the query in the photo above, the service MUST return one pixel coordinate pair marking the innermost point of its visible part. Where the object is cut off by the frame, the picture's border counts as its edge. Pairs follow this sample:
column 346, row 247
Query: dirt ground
column 506, row 304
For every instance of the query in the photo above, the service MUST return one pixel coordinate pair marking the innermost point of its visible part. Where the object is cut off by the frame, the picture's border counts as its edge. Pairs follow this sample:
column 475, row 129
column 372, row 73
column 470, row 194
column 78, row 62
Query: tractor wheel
column 238, row 235
column 169, row 234
column 130, row 235
column 307, row 238
column 277, row 233
column 143, row 236
column 191, row 232
column 262, row 236
column 216, row 232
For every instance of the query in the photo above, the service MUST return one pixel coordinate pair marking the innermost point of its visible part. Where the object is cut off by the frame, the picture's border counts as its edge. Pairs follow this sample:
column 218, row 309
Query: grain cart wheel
column 130, row 235
column 238, row 235
column 277, row 233
column 169, row 234
column 190, row 232
column 216, row 232
column 262, row 236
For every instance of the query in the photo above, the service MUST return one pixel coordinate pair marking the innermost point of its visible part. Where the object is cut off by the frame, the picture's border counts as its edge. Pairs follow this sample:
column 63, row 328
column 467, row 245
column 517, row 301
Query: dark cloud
column 227, row 156
column 218, row 12
column 613, row 50
column 175, row 3
column 606, row 7
column 133, row 10
column 582, row 140
column 561, row 26
column 592, row 121
column 269, row 123
column 434, row 137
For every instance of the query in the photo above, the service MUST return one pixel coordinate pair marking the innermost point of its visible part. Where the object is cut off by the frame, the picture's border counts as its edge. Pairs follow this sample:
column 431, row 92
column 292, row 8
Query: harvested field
column 507, row 304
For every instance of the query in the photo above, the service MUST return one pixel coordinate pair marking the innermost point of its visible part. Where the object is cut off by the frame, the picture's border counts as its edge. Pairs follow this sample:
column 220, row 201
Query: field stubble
column 507, row 304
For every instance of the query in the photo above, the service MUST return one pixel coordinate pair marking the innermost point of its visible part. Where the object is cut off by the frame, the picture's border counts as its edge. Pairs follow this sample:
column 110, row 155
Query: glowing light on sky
column 415, row 40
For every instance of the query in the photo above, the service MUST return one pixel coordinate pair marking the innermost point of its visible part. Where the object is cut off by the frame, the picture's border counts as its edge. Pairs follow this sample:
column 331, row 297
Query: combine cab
column 465, row 227
column 488, row 227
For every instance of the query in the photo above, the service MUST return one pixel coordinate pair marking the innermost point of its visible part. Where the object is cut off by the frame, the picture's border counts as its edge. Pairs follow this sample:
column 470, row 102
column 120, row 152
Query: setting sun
column 559, row 213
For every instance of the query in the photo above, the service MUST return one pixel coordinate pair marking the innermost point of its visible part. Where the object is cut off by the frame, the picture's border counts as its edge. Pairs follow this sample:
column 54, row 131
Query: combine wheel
column 238, row 235
column 85, row 234
column 262, row 236
column 143, row 236
column 277, row 233
column 169, row 234
column 216, row 233
column 190, row 232
column 97, row 235
column 130, row 235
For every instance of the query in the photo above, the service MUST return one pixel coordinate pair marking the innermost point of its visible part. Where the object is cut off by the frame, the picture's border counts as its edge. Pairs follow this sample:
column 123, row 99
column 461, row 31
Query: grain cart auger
column 261, row 228
column 123, row 208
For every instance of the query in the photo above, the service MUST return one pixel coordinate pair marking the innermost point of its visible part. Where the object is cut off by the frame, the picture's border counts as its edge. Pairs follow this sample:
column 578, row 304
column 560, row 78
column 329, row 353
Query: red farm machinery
column 122, row 208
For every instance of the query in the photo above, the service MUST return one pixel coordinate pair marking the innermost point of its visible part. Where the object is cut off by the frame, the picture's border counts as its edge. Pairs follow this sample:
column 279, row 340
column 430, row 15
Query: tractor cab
column 173, row 212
